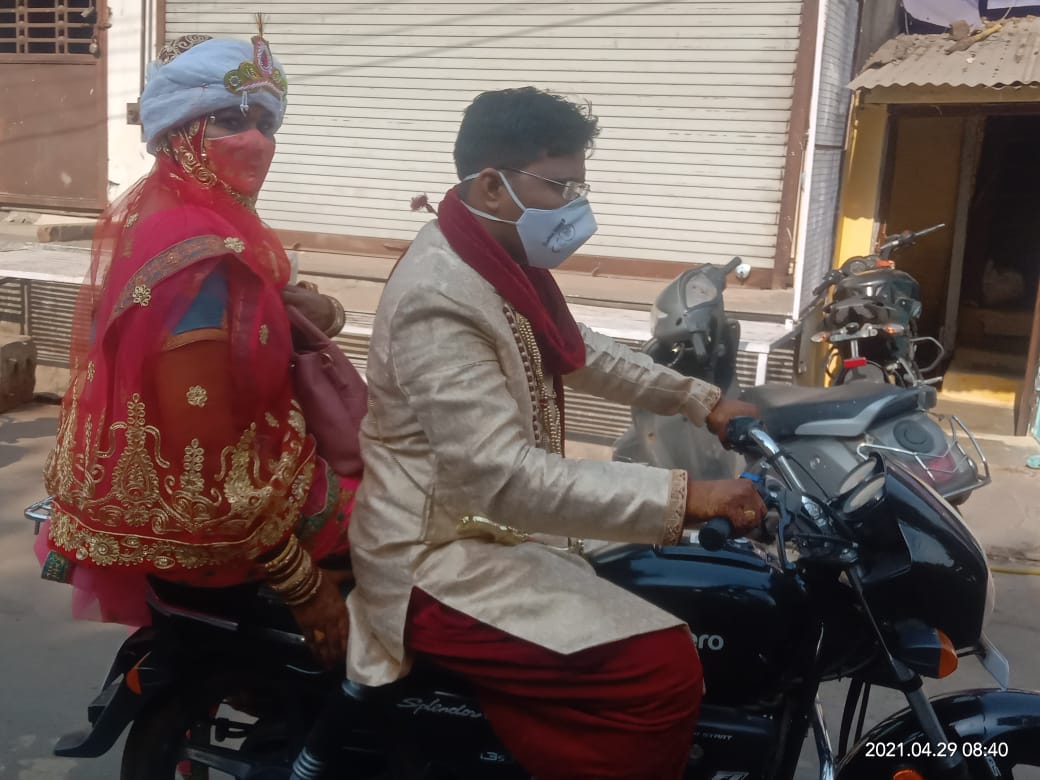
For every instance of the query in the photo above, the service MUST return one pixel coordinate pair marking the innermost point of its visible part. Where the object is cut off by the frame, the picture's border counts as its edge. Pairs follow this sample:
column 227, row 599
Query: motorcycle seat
column 842, row 411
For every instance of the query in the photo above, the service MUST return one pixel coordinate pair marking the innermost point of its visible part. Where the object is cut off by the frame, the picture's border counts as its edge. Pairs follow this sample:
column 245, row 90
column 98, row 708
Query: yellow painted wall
column 864, row 162
column 924, row 192
column 861, row 185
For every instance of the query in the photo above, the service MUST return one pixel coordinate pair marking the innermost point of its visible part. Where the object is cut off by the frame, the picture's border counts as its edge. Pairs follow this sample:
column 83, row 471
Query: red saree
column 183, row 453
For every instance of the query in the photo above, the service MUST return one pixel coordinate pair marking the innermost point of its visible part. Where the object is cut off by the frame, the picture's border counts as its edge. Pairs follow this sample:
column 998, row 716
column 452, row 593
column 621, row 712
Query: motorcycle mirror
column 865, row 496
column 859, row 474
column 743, row 271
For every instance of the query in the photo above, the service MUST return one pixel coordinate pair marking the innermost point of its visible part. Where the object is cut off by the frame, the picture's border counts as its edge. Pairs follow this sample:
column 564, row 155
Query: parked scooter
column 868, row 313
column 878, row 580
column 692, row 333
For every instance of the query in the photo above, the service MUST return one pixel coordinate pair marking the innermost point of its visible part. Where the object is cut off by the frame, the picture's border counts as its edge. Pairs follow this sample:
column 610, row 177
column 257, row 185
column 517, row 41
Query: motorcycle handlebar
column 908, row 237
column 714, row 533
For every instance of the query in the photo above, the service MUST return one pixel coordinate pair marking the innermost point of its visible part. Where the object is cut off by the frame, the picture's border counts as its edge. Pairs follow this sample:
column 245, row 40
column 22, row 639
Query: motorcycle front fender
column 994, row 730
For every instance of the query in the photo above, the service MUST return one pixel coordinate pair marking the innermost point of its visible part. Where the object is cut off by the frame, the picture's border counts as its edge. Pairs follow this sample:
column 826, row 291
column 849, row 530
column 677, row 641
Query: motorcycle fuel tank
column 746, row 615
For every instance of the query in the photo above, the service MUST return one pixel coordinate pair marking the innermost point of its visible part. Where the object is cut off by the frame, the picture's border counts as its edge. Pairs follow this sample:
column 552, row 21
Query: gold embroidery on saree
column 167, row 262
column 141, row 295
column 235, row 244
column 197, row 396
column 155, row 506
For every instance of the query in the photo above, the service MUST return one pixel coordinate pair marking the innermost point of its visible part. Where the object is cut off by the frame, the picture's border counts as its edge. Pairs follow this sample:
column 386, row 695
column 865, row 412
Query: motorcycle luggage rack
column 39, row 512
column 933, row 464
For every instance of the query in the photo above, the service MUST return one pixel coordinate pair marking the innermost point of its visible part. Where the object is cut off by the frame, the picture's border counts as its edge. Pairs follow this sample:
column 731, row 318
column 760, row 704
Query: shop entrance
column 1001, row 269
column 976, row 169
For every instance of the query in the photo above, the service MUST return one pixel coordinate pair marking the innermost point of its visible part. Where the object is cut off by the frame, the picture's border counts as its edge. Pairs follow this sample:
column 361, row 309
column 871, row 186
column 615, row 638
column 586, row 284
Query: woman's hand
column 316, row 307
column 735, row 499
column 323, row 621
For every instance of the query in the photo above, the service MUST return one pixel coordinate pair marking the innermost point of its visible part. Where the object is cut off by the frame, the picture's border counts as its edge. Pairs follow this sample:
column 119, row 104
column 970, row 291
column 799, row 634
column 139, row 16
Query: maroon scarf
column 531, row 291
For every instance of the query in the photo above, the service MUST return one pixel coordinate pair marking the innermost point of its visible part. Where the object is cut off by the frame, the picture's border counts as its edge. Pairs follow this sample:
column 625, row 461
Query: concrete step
column 981, row 387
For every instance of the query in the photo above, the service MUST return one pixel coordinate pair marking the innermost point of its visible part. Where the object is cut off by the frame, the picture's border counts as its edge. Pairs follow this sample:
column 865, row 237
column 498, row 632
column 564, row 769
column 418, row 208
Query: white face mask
column 549, row 236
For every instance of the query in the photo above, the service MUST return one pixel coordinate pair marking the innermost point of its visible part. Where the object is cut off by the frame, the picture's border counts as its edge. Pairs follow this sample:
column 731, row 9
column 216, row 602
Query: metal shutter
column 840, row 26
column 694, row 99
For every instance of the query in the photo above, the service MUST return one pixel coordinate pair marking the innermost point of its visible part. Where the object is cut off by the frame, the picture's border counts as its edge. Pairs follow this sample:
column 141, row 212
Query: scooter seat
column 844, row 410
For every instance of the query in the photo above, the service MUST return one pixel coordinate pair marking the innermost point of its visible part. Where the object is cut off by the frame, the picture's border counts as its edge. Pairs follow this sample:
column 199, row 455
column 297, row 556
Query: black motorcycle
column 867, row 312
column 878, row 581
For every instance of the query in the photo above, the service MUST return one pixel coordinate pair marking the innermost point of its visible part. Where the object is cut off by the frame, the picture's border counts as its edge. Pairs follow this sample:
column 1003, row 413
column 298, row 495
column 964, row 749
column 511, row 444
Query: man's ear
column 486, row 191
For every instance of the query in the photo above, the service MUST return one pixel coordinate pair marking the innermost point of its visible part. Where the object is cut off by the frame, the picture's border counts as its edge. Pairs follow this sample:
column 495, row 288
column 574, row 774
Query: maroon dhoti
column 626, row 709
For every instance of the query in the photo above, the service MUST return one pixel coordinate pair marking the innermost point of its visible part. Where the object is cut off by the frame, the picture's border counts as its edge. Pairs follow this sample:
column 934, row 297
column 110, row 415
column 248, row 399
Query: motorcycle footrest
column 102, row 700
column 72, row 745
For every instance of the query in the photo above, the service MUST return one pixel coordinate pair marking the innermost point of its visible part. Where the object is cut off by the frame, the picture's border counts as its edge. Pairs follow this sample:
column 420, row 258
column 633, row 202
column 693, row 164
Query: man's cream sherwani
column 462, row 424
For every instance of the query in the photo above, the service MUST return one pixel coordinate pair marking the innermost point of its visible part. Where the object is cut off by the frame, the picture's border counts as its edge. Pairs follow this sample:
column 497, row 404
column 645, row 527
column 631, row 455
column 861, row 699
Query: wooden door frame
column 971, row 149
column 1026, row 402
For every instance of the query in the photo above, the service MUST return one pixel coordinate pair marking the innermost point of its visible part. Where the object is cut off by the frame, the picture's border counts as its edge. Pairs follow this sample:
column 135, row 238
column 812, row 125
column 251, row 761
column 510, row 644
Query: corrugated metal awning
column 1007, row 56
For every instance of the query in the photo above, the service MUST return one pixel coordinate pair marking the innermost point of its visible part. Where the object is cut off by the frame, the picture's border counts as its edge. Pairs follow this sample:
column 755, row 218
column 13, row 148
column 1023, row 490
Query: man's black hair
column 510, row 128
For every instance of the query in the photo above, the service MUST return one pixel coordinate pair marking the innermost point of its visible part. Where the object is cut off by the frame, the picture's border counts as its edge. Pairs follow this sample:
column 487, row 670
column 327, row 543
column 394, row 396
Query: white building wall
column 832, row 98
column 127, row 158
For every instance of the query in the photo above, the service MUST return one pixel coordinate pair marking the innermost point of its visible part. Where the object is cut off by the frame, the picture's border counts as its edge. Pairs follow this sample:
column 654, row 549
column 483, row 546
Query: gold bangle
column 299, row 593
column 285, row 557
column 295, row 578
column 311, row 592
column 285, row 569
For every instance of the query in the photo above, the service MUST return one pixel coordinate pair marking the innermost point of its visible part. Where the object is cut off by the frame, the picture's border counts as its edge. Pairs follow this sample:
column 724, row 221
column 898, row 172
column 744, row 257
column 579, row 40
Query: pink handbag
column 331, row 392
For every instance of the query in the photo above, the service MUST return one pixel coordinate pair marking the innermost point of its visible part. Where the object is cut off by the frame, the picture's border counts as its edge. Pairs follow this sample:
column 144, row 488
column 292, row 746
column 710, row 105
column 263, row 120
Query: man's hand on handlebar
column 725, row 410
column 735, row 499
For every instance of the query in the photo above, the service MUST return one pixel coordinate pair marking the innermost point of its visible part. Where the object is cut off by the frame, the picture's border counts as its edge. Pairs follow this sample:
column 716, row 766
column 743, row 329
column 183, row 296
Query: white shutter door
column 841, row 25
column 694, row 100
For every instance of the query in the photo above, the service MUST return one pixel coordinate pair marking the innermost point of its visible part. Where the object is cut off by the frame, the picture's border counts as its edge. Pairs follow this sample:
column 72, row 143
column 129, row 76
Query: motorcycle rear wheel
column 198, row 728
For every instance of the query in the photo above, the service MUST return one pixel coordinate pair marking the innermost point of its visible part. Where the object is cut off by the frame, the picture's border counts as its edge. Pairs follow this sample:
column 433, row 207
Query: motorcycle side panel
column 745, row 615
column 979, row 717
column 436, row 720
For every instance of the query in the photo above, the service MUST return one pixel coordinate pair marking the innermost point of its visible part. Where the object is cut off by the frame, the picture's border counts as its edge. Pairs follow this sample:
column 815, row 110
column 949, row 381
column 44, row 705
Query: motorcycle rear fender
column 986, row 716
column 118, row 704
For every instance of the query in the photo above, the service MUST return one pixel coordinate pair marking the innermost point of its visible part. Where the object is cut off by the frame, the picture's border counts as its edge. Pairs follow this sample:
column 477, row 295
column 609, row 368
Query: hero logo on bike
column 709, row 641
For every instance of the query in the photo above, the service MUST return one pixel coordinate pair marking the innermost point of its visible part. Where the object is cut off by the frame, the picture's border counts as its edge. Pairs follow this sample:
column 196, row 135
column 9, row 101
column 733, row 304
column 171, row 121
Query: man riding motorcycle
column 459, row 538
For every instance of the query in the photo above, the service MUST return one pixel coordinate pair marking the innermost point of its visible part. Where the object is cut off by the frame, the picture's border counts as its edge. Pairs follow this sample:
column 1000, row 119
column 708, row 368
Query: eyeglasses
column 572, row 190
